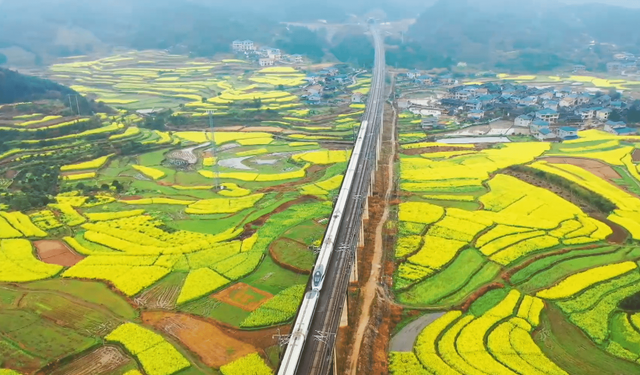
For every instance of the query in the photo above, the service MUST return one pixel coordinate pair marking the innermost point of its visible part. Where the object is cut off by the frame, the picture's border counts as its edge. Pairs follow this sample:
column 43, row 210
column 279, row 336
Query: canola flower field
column 170, row 237
column 522, row 279
column 136, row 250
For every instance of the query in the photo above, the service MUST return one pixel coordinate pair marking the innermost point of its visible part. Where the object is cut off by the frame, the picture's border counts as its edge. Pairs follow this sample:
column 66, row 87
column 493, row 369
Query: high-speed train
column 302, row 325
column 329, row 243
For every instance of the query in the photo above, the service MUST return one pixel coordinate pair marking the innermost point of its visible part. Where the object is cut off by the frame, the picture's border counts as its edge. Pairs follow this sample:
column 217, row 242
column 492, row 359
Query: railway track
column 311, row 344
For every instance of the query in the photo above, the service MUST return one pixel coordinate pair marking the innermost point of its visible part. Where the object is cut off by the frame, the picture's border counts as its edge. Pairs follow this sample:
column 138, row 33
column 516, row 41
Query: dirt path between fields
column 370, row 290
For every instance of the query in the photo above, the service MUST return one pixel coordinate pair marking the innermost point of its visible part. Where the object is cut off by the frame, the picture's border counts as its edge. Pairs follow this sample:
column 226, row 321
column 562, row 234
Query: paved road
column 317, row 355
column 403, row 341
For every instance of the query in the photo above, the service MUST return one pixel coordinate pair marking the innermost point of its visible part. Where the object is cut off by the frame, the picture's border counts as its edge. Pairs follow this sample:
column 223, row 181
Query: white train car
column 328, row 243
column 291, row 358
column 299, row 333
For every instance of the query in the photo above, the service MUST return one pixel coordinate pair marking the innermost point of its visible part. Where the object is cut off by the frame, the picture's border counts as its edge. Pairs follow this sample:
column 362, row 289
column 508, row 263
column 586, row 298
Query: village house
column 265, row 61
column 624, row 131
column 568, row 132
column 544, row 134
column 536, row 125
column 523, row 121
column 547, row 95
column 602, row 114
column 274, row 54
column 579, row 68
column 528, row 101
column 550, row 104
column 476, row 114
column 426, row 111
column 567, row 101
column 314, row 90
column 356, row 97
column 548, row 115
column 429, row 122
column 314, row 99
column 297, row 59
column 464, row 95
column 473, row 104
column 585, row 113
column 413, row 74
column 619, row 128
column 243, row 45
column 583, row 99
column 403, row 103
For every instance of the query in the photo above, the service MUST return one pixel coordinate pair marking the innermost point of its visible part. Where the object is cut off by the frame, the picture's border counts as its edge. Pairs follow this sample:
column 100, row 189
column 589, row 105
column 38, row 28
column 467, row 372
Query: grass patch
column 485, row 276
column 272, row 278
column 90, row 291
column 294, row 254
column 446, row 282
column 568, row 347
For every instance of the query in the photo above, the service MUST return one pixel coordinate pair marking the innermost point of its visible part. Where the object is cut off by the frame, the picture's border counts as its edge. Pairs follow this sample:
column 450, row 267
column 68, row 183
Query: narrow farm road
column 370, row 290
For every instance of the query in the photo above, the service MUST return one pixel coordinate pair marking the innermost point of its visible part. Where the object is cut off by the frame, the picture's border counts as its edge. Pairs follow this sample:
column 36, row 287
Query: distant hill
column 522, row 36
column 16, row 88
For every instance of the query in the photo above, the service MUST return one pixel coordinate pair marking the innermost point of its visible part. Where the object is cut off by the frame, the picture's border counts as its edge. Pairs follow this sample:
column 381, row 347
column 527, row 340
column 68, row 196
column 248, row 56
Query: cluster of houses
column 330, row 82
column 421, row 78
column 265, row 56
column 550, row 113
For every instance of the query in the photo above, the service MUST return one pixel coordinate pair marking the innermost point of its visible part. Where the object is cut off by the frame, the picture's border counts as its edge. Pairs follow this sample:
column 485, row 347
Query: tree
column 614, row 94
column 615, row 116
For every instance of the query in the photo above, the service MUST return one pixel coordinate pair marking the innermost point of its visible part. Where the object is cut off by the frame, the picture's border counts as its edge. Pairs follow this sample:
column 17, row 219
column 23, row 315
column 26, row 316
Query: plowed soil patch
column 211, row 344
column 596, row 167
column 636, row 156
column 267, row 129
column 56, row 252
column 101, row 361
column 243, row 296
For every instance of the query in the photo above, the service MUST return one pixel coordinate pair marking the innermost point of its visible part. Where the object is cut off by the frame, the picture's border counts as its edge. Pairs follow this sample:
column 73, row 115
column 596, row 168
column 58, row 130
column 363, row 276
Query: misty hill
column 527, row 36
column 16, row 88
column 35, row 30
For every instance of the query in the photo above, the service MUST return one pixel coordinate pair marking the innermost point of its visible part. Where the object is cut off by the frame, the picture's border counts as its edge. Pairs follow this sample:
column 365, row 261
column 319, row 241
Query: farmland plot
column 530, row 250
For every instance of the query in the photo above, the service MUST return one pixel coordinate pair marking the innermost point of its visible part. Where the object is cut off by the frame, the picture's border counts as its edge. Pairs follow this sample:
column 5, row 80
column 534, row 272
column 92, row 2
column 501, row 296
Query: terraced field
column 530, row 251
column 134, row 263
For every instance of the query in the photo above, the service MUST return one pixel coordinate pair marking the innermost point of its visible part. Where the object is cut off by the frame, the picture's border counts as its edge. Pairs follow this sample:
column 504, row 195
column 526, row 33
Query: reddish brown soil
column 262, row 339
column 596, row 167
column 636, row 156
column 11, row 173
column 74, row 173
column 384, row 315
column 260, row 221
column 619, row 235
column 427, row 150
column 314, row 172
column 103, row 360
column 243, row 296
column 57, row 252
column 131, row 198
column 268, row 129
column 214, row 347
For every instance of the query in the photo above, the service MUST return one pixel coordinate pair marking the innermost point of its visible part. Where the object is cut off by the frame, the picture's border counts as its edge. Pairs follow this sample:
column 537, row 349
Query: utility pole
column 70, row 104
column 214, row 152
column 77, row 105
